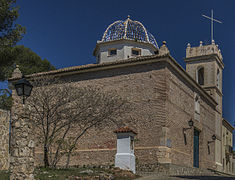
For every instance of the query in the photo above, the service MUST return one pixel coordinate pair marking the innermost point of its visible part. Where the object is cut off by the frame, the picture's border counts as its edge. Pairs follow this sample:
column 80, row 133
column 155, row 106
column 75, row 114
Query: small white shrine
column 125, row 157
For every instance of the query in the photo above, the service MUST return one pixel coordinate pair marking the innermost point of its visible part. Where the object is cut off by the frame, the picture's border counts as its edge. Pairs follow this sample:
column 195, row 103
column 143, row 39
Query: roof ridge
column 87, row 66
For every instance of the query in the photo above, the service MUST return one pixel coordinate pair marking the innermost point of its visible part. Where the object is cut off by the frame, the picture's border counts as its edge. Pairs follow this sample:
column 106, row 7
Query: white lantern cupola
column 123, row 40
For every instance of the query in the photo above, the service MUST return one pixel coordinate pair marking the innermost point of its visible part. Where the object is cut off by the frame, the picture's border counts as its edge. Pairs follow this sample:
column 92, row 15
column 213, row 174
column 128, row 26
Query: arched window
column 200, row 76
column 218, row 78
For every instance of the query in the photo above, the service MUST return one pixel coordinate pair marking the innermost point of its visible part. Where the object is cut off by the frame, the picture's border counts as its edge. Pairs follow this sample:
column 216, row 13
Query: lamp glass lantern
column 213, row 137
column 190, row 123
column 23, row 88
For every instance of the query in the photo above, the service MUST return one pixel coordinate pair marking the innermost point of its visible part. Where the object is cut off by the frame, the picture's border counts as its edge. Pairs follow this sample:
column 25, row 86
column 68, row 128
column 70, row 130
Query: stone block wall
column 203, row 50
column 209, row 70
column 4, row 139
column 22, row 143
column 162, row 103
column 143, row 87
column 181, row 108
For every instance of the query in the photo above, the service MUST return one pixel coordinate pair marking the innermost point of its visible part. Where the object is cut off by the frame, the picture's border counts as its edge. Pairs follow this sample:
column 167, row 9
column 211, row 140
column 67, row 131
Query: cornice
column 210, row 57
column 213, row 87
column 97, row 67
column 227, row 125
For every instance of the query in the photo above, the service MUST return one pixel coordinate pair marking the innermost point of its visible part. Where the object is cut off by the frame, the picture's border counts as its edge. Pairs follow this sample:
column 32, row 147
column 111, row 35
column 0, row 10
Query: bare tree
column 58, row 107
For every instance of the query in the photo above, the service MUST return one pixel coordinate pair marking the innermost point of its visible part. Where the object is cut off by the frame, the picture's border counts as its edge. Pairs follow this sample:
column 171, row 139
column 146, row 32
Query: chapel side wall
column 207, row 159
column 4, row 139
column 144, row 87
column 180, row 109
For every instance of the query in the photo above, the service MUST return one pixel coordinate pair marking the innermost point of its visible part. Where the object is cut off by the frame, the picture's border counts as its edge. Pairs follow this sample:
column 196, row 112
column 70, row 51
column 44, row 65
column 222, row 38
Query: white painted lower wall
column 125, row 161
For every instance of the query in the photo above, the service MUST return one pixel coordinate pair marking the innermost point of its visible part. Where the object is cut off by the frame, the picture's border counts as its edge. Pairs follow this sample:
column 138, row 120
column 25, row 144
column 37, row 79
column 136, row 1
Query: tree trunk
column 75, row 142
column 68, row 159
column 46, row 161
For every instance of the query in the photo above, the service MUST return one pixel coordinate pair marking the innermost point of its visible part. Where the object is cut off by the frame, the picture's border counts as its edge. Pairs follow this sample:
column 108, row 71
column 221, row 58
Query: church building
column 176, row 113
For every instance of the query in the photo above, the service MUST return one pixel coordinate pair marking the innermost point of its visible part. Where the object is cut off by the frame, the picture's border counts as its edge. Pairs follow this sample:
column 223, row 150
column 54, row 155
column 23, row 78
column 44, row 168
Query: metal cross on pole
column 212, row 20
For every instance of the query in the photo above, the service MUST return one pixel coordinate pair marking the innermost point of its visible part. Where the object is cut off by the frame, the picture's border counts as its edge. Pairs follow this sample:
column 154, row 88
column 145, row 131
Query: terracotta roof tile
column 124, row 129
column 91, row 66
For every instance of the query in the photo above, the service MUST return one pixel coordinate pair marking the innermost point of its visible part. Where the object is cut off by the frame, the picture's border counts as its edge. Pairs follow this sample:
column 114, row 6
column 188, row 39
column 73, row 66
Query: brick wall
column 144, row 87
column 180, row 109
column 162, row 103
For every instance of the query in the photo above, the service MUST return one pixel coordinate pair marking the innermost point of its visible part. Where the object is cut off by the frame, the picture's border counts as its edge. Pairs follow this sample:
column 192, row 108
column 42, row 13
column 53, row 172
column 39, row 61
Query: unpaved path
column 187, row 178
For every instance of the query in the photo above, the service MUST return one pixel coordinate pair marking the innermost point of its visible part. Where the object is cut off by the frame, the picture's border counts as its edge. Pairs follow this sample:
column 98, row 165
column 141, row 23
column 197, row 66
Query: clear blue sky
column 65, row 31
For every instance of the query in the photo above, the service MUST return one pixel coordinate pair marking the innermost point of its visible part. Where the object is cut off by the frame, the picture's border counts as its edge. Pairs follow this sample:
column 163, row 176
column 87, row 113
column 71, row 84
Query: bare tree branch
column 58, row 107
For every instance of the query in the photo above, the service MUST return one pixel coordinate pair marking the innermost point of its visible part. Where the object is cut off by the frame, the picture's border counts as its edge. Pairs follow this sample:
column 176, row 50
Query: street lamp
column 213, row 137
column 190, row 123
column 23, row 88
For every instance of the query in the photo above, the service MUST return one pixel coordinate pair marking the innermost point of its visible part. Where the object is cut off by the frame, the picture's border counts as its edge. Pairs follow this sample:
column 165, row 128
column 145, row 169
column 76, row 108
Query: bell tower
column 205, row 65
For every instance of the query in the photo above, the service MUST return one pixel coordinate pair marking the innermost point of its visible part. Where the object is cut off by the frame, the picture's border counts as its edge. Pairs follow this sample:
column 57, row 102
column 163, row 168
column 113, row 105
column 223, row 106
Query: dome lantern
column 125, row 39
column 128, row 29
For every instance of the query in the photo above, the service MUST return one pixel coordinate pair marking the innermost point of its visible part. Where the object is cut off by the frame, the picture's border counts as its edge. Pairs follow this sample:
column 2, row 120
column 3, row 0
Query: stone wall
column 98, row 146
column 181, row 108
column 203, row 50
column 162, row 103
column 171, row 170
column 227, row 144
column 4, row 139
column 22, row 143
column 209, row 57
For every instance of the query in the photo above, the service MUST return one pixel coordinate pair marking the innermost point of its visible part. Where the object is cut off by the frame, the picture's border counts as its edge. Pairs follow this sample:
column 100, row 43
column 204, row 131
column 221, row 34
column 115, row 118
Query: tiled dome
column 128, row 29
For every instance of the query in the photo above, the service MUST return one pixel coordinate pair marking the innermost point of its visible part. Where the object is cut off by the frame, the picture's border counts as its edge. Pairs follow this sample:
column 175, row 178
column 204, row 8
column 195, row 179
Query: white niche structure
column 125, row 157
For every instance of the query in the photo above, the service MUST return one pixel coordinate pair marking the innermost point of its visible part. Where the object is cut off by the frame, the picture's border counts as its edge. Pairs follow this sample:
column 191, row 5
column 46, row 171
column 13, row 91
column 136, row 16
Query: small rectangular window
column 135, row 52
column 112, row 52
column 156, row 52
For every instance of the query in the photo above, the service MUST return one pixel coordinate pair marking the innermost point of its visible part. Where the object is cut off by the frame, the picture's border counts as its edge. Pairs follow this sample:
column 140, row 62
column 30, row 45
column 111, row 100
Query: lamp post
column 23, row 88
column 213, row 137
column 22, row 144
column 190, row 123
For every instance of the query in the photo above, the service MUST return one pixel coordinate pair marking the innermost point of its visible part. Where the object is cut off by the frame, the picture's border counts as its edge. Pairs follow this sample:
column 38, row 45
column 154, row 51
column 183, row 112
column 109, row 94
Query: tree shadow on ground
column 207, row 177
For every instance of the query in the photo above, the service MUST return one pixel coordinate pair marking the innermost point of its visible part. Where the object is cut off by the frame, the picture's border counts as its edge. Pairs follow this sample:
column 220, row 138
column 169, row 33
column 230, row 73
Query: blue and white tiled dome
column 128, row 29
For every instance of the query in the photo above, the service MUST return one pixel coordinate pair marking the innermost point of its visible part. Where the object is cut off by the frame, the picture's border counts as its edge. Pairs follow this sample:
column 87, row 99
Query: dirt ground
column 187, row 178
